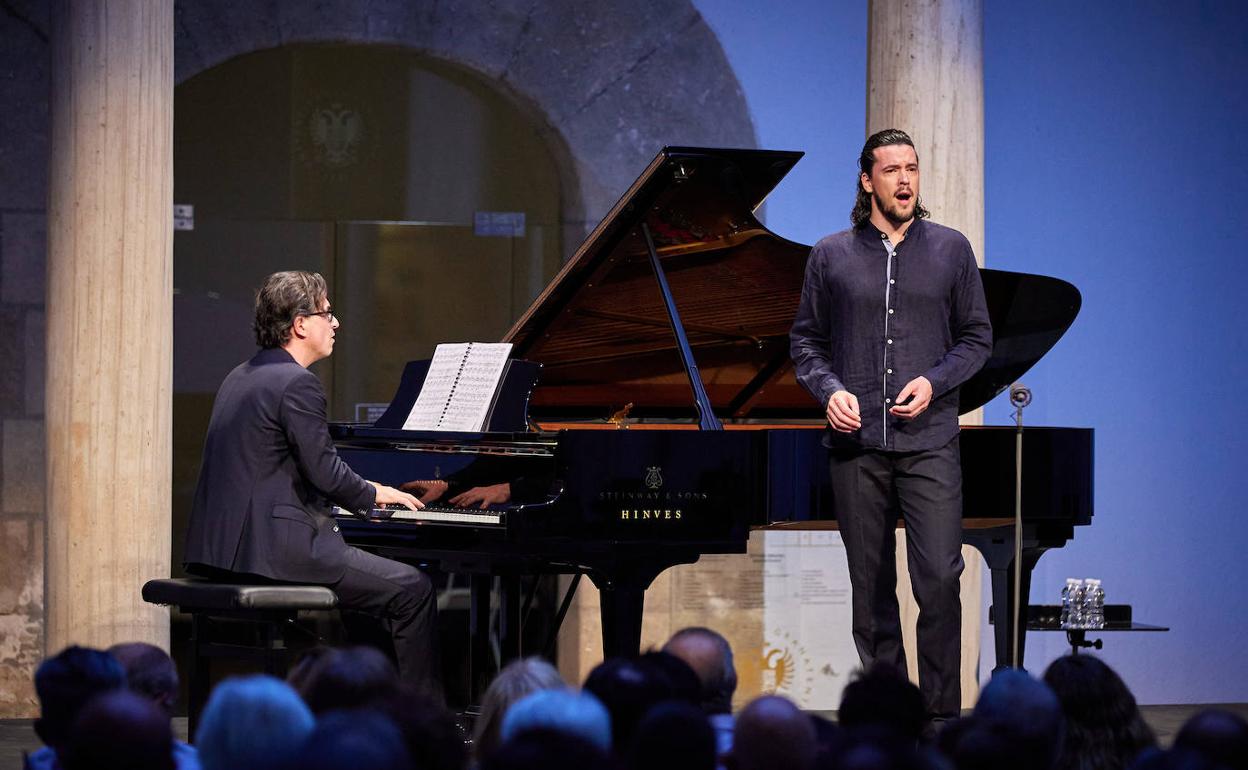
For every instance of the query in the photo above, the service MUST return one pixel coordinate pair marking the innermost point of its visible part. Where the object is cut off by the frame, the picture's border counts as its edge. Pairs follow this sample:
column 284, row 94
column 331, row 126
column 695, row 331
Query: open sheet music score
column 460, row 386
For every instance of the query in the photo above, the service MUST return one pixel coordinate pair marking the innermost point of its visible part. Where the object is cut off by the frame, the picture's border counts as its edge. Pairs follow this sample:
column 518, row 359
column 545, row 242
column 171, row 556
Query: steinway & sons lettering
column 651, row 496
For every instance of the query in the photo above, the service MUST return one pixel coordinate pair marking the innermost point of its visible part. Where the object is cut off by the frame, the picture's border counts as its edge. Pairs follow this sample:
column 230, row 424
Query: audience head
column 119, row 730
column 1020, row 714
column 628, row 688
column 883, row 697
column 356, row 738
column 710, row 657
column 430, row 732
column 348, row 678
column 1219, row 736
column 1103, row 724
column 673, row 736
column 579, row 714
column 518, row 679
column 150, row 672
column 681, row 679
column 1176, row 759
column 251, row 723
column 546, row 749
column 66, row 682
column 769, row 733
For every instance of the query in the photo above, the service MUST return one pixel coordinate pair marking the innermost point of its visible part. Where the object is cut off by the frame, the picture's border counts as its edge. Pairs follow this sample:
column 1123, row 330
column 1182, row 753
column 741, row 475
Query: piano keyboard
column 433, row 514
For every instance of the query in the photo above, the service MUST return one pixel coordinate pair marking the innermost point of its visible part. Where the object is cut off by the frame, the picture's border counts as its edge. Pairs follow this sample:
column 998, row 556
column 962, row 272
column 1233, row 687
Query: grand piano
column 650, row 413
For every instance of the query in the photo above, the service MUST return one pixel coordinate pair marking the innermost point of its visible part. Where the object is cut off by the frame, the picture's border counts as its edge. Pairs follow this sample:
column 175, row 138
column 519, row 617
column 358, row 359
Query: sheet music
column 459, row 387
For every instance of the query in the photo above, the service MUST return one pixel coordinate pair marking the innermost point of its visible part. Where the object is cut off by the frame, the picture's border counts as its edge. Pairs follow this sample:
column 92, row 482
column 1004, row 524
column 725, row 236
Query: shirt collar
column 272, row 356
column 872, row 234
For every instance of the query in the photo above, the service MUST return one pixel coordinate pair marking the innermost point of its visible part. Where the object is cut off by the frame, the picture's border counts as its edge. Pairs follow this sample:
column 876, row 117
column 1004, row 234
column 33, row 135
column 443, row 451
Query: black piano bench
column 270, row 609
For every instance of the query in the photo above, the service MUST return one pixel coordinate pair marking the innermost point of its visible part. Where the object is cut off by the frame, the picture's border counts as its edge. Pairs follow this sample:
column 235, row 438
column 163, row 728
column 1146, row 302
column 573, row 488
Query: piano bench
column 269, row 609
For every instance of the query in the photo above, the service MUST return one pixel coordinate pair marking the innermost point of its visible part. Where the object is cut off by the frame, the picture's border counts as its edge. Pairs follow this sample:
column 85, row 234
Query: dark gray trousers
column 869, row 490
column 403, row 598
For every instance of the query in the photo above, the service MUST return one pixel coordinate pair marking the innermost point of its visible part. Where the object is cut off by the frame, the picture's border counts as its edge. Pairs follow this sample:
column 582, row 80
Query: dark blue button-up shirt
column 872, row 318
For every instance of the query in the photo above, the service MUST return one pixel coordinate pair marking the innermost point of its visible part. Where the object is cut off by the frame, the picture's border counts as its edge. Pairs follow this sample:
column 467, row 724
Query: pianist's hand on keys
column 391, row 496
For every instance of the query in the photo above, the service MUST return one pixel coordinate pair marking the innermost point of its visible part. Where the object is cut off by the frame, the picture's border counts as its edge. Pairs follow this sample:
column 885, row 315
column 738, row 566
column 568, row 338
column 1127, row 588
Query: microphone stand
column 1020, row 397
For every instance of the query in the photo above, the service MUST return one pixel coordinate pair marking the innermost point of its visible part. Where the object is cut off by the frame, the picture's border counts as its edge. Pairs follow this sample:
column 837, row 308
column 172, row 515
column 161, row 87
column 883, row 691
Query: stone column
column 109, row 320
column 925, row 75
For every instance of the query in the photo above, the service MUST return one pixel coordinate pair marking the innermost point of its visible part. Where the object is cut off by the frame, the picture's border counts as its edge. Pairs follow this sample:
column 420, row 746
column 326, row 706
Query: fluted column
column 109, row 320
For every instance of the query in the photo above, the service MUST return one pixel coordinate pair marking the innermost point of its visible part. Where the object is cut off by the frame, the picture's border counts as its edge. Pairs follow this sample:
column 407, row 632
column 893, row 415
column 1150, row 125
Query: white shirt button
column 890, row 371
column 890, row 342
column 888, row 401
column 892, row 280
column 890, row 311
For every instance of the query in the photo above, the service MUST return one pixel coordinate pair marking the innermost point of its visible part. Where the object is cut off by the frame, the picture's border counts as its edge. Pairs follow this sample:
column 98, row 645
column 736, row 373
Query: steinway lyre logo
column 654, row 477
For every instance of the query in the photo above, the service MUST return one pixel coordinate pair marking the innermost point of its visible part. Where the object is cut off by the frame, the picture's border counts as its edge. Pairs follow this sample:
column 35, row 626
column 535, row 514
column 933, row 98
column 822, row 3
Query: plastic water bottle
column 1094, row 599
column 1070, row 603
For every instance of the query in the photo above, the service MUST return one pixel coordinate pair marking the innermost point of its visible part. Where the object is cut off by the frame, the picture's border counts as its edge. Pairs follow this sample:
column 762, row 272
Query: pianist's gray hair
column 866, row 161
column 283, row 297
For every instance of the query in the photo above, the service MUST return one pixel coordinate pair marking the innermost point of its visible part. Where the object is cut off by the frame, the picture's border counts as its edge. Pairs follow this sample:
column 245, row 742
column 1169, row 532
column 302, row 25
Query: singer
column 892, row 321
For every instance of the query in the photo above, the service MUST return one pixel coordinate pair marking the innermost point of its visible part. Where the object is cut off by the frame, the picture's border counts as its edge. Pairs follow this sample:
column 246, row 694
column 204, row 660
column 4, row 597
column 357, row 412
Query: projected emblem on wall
column 334, row 134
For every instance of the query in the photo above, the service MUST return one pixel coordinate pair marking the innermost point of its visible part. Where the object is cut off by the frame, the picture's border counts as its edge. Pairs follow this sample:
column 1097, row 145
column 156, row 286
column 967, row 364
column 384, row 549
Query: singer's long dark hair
column 866, row 162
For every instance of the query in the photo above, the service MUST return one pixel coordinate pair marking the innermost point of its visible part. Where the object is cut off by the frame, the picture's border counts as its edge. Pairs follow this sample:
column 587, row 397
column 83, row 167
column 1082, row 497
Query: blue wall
column 1113, row 160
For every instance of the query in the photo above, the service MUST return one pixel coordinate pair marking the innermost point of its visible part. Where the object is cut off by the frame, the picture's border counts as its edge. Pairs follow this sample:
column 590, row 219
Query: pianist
column 892, row 321
column 270, row 472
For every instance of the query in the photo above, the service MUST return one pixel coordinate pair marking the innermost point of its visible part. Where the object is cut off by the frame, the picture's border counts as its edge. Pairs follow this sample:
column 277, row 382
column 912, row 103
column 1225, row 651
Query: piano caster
column 1077, row 637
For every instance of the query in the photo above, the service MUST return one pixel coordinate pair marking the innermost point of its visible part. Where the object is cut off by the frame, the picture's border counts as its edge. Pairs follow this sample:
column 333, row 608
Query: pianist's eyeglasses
column 329, row 315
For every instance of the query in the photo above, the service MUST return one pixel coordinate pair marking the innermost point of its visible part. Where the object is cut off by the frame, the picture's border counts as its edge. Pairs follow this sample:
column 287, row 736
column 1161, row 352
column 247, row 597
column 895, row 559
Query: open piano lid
column 602, row 334
column 601, row 331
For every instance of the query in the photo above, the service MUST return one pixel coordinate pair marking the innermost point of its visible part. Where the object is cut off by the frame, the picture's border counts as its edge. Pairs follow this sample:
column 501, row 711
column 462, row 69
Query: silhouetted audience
column 151, row 673
column 64, row 684
column 881, row 747
column 681, row 678
column 547, row 749
column 673, row 735
column 430, row 732
column 1174, row 759
column 517, row 679
column 359, row 738
column 657, row 712
column 1017, row 723
column 1104, row 727
column 1219, row 736
column 579, row 714
column 710, row 656
column 771, row 733
column 883, row 697
column 348, row 678
column 119, row 730
column 628, row 688
column 251, row 723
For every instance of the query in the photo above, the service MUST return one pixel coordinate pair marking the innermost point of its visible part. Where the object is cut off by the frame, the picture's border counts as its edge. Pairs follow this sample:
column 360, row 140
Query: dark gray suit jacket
column 269, row 467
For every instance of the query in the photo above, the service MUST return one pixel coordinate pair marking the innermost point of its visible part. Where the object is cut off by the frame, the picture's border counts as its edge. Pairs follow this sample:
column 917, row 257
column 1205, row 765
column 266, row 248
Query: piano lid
column 1029, row 314
column 600, row 328
column 602, row 334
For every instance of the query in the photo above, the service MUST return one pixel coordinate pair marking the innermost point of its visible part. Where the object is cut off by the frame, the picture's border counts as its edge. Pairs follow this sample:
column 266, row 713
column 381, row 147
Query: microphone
column 1020, row 395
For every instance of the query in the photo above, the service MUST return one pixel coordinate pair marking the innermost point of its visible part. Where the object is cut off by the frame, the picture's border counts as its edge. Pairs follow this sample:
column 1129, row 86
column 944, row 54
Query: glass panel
column 402, row 288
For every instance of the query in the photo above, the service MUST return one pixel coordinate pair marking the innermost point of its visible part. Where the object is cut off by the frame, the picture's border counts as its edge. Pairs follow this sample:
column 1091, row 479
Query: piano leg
column 480, row 655
column 623, row 600
column 509, row 631
column 997, row 546
column 622, row 608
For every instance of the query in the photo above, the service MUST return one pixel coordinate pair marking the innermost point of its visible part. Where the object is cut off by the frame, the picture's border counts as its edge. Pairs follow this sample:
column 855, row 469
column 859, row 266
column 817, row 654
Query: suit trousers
column 403, row 598
column 869, row 489
column 397, row 595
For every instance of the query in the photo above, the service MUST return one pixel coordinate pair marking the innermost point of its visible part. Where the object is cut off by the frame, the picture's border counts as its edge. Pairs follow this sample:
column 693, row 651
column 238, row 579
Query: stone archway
column 613, row 82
